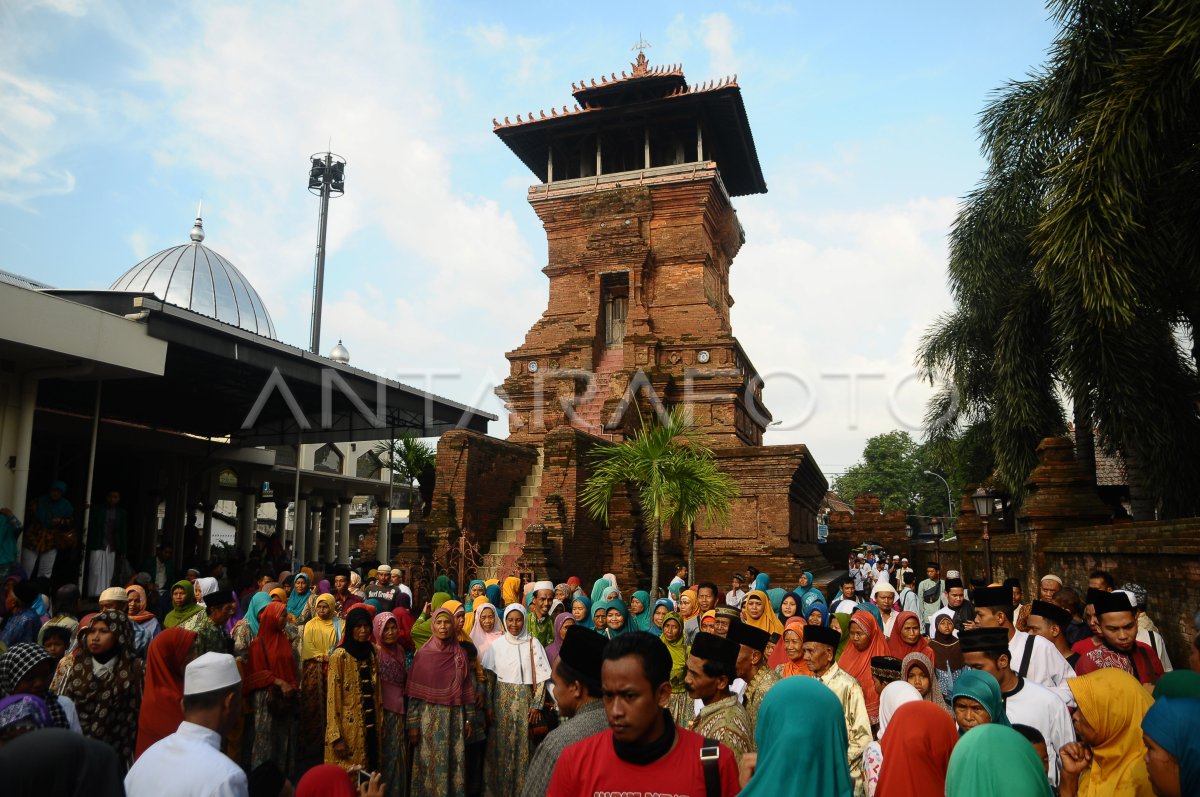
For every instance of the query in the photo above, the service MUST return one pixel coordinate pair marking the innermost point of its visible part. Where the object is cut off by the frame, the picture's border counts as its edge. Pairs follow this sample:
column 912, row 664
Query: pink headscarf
column 393, row 668
column 440, row 672
column 484, row 639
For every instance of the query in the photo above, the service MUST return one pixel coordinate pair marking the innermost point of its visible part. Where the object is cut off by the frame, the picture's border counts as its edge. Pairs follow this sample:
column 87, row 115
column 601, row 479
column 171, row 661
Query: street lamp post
column 984, row 503
column 949, row 501
column 935, row 525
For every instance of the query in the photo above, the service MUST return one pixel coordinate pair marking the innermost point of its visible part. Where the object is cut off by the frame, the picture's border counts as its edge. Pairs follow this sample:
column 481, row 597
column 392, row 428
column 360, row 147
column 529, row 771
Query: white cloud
column 520, row 54
column 36, row 115
column 718, row 37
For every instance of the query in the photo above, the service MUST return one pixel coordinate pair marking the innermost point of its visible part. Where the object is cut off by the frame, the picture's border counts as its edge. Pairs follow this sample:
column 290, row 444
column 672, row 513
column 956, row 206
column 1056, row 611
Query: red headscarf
column 916, row 753
column 270, row 652
column 325, row 780
column 898, row 647
column 440, row 671
column 405, row 622
column 858, row 662
column 160, row 714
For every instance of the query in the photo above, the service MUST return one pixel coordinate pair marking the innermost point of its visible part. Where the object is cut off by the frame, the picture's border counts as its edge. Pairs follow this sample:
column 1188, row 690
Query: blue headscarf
column 653, row 629
column 761, row 582
column 1172, row 723
column 872, row 610
column 982, row 687
column 494, row 596
column 818, row 606
column 257, row 604
column 822, row 737
column 297, row 600
column 620, row 606
column 587, row 603
column 642, row 621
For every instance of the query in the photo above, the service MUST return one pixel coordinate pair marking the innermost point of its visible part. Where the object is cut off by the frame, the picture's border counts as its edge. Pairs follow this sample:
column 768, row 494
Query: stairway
column 589, row 411
column 526, row 504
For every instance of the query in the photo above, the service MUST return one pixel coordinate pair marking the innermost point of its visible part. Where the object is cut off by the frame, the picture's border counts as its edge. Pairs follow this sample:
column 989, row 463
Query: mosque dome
column 195, row 277
column 340, row 354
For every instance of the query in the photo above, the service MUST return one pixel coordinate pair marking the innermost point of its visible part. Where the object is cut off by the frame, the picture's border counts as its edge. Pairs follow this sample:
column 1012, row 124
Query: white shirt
column 735, row 599
column 845, row 606
column 906, row 600
column 1036, row 706
column 889, row 622
column 1159, row 647
column 188, row 763
column 1046, row 665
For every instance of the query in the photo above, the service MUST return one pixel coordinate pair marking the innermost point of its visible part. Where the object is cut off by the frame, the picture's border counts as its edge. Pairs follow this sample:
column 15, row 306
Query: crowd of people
column 335, row 682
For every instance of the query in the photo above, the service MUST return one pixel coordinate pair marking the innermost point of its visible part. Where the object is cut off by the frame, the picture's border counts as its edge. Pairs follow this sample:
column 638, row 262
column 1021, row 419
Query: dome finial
column 198, row 228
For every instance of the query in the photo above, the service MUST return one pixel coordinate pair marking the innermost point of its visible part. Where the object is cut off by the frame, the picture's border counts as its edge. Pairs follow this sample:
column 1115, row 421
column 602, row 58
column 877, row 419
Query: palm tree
column 675, row 476
column 406, row 457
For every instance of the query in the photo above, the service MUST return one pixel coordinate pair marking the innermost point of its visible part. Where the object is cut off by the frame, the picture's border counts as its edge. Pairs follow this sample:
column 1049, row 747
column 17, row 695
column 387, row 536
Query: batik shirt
column 858, row 724
column 763, row 680
column 727, row 722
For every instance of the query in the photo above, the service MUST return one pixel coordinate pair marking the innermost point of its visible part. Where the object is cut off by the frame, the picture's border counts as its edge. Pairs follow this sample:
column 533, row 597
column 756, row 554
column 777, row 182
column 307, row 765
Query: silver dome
column 197, row 278
column 340, row 354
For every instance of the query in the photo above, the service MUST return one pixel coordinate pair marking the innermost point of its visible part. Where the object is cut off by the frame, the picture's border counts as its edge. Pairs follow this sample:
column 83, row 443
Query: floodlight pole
column 325, row 179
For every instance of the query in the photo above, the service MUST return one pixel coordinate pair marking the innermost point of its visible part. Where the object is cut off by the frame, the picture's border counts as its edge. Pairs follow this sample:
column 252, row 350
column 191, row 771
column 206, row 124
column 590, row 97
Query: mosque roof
column 196, row 278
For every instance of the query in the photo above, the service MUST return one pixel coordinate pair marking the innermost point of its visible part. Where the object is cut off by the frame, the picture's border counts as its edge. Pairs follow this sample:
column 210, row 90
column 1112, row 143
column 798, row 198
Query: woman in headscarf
column 789, row 607
column 658, row 615
column 893, row 696
column 510, row 590
column 598, row 589
column 271, row 685
column 441, row 695
column 322, row 634
column 995, row 761
column 1178, row 683
column 805, row 586
column 25, row 621
column 917, row 670
column 600, row 618
column 184, row 608
column 756, row 611
column 423, row 628
column 977, row 701
column 1108, row 760
column 907, row 637
column 947, row 653
column 1173, row 745
column 27, row 669
column 612, row 581
column 302, row 603
column 161, row 712
column 866, row 642
column 708, row 621
column 203, row 588
column 393, row 678
column 681, row 705
column 443, row 584
column 324, row 587
column 639, row 611
column 522, row 670
column 136, row 611
column 617, row 619
column 353, row 723
column 103, row 678
column 561, row 624
column 475, row 591
column 817, row 613
column 916, row 752
column 822, row 770
column 486, row 629
column 581, row 610
column 493, row 596
column 789, row 653
column 328, row 780
column 355, row 587
column 246, row 629
column 762, row 582
column 689, row 610
column 841, row 623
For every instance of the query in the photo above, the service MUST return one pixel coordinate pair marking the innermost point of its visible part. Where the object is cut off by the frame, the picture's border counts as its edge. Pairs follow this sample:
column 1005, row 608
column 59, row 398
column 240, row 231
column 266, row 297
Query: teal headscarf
column 1178, row 683
column 820, row 740
column 762, row 581
column 808, row 599
column 992, row 761
column 982, row 687
column 620, row 606
column 587, row 604
column 641, row 621
column 254, row 609
column 775, row 596
column 1171, row 723
column 598, row 589
column 653, row 629
column 468, row 602
column 298, row 600
column 597, row 606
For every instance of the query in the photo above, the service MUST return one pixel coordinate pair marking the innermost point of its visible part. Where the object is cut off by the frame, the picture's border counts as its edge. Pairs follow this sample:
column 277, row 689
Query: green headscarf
column 1178, row 683
column 598, row 589
column 641, row 622
column 843, row 621
column 679, row 655
column 990, row 761
column 982, row 687
column 442, row 584
column 422, row 630
column 626, row 627
column 190, row 608
column 821, row 738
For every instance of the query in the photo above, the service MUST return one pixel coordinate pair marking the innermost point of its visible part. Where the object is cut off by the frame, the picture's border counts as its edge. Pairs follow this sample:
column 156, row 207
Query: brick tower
column 635, row 199
column 634, row 192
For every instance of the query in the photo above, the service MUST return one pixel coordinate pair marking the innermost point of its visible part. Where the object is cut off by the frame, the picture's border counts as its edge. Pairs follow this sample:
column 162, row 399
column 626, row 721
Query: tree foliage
column 407, row 457
column 893, row 467
column 674, row 475
column 1075, row 264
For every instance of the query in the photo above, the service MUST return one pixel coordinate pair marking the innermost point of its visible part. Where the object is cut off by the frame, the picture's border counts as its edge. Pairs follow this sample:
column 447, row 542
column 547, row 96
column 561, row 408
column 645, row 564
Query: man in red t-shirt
column 1118, row 647
column 643, row 752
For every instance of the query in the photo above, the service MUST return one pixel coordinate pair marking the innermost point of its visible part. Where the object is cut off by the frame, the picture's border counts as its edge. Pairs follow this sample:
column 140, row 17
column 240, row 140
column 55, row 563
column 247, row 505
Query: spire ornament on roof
column 198, row 228
column 641, row 66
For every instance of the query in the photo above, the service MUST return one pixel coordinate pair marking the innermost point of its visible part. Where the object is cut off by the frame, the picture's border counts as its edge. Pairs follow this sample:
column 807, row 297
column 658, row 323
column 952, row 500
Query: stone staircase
column 589, row 413
column 509, row 536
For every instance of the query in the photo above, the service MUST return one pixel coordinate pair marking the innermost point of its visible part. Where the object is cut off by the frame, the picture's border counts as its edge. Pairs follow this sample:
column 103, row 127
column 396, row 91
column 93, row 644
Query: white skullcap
column 384, row 569
column 114, row 594
column 1051, row 577
column 540, row 585
column 953, row 574
column 209, row 673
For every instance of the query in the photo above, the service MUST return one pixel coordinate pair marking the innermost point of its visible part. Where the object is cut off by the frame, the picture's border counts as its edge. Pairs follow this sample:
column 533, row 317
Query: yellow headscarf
column 768, row 622
column 510, row 590
column 695, row 601
column 320, row 636
column 491, row 582
column 1114, row 703
column 455, row 607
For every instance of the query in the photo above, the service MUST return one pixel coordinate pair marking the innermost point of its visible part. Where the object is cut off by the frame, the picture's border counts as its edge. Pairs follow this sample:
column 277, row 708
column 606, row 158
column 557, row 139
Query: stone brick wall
column 866, row 524
column 477, row 480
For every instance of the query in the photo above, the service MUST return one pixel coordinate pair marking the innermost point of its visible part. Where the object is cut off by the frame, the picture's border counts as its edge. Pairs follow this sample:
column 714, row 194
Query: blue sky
column 119, row 117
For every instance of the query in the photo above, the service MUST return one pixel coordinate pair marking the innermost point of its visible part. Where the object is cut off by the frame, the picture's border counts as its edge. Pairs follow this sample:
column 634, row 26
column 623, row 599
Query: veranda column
column 344, row 531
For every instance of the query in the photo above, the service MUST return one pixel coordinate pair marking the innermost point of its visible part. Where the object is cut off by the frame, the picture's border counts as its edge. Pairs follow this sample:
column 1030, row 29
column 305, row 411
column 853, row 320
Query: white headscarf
column 893, row 696
column 484, row 639
column 516, row 659
column 933, row 621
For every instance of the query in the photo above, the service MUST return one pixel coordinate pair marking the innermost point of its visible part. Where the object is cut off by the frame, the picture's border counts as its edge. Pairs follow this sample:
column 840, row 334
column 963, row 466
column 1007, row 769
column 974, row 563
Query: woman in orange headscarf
column 866, row 641
column 788, row 658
